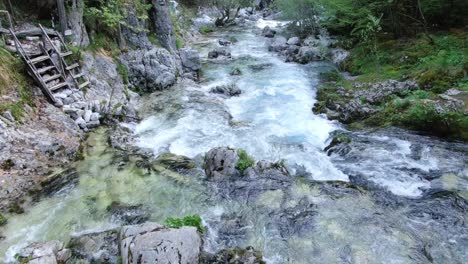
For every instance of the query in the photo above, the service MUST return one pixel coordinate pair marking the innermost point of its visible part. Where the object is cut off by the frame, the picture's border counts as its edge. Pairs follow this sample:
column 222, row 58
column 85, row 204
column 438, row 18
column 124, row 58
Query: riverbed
column 389, row 196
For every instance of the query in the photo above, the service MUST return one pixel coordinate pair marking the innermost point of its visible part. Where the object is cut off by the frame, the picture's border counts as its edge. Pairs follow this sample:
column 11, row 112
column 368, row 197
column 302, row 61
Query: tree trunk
column 75, row 23
column 62, row 16
column 163, row 25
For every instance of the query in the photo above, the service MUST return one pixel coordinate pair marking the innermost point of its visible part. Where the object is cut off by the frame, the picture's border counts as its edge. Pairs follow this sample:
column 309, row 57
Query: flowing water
column 406, row 204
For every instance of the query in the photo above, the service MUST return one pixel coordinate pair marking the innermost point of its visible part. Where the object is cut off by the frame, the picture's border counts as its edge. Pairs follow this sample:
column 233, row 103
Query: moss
column 206, row 30
column 3, row 220
column 123, row 72
column 245, row 161
column 190, row 220
column 16, row 208
column 179, row 43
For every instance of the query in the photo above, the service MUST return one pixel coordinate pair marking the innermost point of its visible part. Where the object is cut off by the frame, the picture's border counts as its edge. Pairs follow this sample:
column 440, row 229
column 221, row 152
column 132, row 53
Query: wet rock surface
column 150, row 70
column 95, row 247
column 228, row 90
column 357, row 105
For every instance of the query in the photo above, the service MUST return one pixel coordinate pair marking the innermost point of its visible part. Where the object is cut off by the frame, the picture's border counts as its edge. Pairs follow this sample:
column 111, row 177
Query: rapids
column 389, row 196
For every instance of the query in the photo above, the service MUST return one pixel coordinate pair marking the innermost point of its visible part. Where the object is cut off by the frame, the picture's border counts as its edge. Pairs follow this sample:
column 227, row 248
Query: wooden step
column 73, row 66
column 51, row 78
column 58, row 86
column 39, row 59
column 84, row 85
column 64, row 54
column 81, row 74
column 48, row 68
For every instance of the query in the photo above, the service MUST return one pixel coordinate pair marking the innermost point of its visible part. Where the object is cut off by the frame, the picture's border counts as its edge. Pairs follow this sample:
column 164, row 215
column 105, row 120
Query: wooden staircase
column 71, row 68
column 52, row 66
column 43, row 69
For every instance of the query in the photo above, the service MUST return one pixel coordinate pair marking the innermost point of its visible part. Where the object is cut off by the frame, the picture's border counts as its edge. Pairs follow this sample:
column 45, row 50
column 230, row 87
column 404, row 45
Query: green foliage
column 438, row 65
column 13, row 81
column 303, row 13
column 206, row 30
column 3, row 220
column 190, row 220
column 123, row 72
column 102, row 42
column 245, row 161
column 179, row 43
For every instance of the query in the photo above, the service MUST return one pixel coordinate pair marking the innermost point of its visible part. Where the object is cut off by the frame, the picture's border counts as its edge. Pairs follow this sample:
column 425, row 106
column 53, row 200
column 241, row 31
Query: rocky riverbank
column 399, row 102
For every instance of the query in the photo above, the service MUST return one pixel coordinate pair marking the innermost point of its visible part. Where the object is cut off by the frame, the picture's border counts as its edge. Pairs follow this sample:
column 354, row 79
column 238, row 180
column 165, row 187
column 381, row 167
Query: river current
column 412, row 206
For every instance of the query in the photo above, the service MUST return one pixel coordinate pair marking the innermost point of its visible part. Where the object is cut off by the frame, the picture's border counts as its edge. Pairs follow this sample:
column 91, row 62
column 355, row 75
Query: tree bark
column 62, row 16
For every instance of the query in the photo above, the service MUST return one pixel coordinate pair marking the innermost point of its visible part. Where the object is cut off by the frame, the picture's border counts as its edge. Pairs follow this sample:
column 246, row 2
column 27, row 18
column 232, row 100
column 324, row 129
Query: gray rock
column 74, row 113
column 260, row 67
column 224, row 42
column 153, row 243
column 150, row 70
column 307, row 54
column 96, row 247
column 236, row 71
column 44, row 253
column 160, row 15
column 234, row 255
column 87, row 115
column 278, row 44
column 220, row 163
column 7, row 114
column 268, row 32
column 93, row 124
column 228, row 90
column 80, row 122
column 95, row 117
column 294, row 41
column 190, row 59
column 134, row 29
column 219, row 53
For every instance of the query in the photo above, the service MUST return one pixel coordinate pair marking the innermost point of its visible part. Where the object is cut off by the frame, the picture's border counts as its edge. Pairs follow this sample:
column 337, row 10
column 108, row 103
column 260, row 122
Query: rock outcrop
column 51, row 252
column 154, row 243
column 356, row 105
column 150, row 70
column 220, row 163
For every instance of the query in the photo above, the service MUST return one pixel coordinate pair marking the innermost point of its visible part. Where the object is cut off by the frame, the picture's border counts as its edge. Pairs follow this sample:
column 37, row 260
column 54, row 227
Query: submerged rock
column 44, row 253
column 174, row 162
column 234, row 255
column 228, row 90
column 261, row 67
column 127, row 214
column 154, row 243
column 214, row 54
column 96, row 247
column 224, row 42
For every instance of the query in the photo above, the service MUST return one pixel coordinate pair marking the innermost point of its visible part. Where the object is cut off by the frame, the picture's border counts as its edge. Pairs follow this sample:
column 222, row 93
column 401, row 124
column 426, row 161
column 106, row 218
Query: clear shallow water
column 272, row 120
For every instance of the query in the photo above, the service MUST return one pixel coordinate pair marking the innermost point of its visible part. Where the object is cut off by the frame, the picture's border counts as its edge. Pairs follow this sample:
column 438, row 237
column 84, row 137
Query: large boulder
column 134, row 29
column 307, row 54
column 154, row 243
column 150, row 70
column 268, row 32
column 278, row 44
column 190, row 59
column 221, row 163
column 294, row 41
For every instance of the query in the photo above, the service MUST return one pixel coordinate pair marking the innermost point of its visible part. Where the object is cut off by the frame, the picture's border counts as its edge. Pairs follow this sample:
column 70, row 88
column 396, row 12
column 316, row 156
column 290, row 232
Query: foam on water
column 273, row 113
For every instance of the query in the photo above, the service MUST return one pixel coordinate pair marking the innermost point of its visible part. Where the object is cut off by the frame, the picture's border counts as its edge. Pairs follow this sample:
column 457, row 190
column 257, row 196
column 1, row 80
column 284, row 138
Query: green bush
column 245, row 161
column 123, row 72
column 190, row 220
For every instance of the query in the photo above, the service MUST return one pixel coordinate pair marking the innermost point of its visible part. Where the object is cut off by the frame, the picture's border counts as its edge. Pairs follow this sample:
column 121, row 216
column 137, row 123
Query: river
column 390, row 196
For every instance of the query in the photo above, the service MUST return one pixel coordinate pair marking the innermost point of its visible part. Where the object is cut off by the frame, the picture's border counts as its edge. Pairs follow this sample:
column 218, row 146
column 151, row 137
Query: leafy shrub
column 190, row 220
column 3, row 220
column 245, row 161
